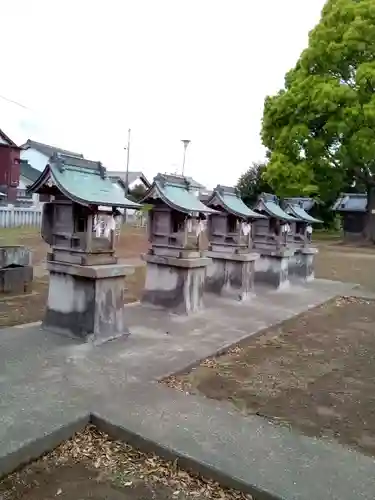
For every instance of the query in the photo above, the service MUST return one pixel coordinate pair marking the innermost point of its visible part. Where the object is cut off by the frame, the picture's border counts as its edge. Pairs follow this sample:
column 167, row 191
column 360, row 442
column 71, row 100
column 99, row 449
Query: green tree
column 137, row 193
column 320, row 129
column 251, row 184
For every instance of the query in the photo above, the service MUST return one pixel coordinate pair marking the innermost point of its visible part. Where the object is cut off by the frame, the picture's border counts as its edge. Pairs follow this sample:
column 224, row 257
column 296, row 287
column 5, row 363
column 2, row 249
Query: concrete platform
column 51, row 386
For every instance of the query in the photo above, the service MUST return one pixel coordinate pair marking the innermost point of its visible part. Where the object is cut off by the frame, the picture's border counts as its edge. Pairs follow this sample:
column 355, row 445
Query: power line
column 14, row 102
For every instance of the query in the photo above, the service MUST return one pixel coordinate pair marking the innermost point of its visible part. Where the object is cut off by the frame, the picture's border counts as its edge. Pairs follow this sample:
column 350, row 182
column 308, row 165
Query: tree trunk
column 369, row 229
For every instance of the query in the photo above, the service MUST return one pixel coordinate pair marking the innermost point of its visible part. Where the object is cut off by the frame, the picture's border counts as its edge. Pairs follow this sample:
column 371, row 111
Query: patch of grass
column 323, row 235
column 18, row 235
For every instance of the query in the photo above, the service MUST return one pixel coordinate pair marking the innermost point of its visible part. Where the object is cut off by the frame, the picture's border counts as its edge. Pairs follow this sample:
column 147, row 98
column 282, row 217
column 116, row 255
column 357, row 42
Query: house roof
column 22, row 184
column 297, row 211
column 227, row 198
column 175, row 191
column 9, row 141
column 268, row 203
column 132, row 176
column 351, row 202
column 29, row 172
column 47, row 150
column 83, row 181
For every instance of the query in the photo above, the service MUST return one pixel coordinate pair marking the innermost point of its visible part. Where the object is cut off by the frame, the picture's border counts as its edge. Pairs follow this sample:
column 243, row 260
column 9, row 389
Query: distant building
column 134, row 179
column 34, row 158
column 9, row 168
column 28, row 175
column 38, row 154
column 353, row 209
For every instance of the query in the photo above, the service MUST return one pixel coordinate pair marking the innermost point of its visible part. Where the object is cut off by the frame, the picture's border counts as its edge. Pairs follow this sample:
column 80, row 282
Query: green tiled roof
column 299, row 212
column 176, row 192
column 83, row 181
column 232, row 203
column 276, row 211
column 268, row 203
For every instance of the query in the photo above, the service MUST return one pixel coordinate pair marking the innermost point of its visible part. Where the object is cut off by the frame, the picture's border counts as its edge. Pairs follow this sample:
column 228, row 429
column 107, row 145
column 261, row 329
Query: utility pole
column 127, row 172
column 127, row 163
column 186, row 144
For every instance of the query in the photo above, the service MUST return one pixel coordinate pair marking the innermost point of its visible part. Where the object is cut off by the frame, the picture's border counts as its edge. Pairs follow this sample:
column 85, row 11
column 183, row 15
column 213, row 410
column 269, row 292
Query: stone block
column 16, row 255
column 301, row 265
column 231, row 275
column 87, row 302
column 16, row 279
column 175, row 284
column 273, row 269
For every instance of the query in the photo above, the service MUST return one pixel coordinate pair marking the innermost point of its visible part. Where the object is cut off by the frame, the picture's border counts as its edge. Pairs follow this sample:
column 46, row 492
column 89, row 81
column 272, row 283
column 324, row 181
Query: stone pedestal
column 16, row 279
column 87, row 302
column 174, row 283
column 301, row 266
column 272, row 268
column 231, row 275
column 16, row 272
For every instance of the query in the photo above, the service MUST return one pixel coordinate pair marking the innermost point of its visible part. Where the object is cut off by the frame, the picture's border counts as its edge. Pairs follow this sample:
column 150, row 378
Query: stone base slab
column 71, row 256
column 273, row 270
column 176, row 261
column 86, row 302
column 231, row 275
column 175, row 284
column 178, row 252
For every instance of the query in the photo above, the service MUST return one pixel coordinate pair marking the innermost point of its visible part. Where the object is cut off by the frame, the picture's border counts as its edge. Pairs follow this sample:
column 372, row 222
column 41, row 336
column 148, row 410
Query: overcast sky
column 168, row 69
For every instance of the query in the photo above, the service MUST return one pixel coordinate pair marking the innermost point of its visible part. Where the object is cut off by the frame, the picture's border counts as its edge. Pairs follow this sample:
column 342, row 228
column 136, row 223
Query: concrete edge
column 224, row 348
column 38, row 447
column 187, row 463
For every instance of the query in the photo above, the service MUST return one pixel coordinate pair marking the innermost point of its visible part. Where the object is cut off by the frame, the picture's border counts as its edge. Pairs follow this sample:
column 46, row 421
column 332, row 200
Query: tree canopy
column 137, row 193
column 251, row 184
column 320, row 128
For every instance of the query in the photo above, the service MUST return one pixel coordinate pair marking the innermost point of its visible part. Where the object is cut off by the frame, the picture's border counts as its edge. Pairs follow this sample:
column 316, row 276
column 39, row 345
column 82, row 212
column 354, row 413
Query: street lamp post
column 186, row 143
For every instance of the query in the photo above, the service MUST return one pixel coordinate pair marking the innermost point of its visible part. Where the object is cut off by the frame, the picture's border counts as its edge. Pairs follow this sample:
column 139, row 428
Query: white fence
column 19, row 216
column 32, row 216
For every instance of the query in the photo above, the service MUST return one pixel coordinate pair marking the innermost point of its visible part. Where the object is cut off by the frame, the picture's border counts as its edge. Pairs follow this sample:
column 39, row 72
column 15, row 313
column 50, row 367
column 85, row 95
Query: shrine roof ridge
column 269, row 203
column 298, row 212
column 231, row 201
column 63, row 160
column 82, row 181
column 303, row 201
column 175, row 191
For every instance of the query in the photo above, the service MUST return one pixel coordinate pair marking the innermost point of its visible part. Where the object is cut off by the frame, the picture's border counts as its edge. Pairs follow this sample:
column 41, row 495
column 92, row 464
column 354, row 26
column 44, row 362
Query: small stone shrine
column 176, row 265
column 302, row 263
column 230, row 245
column 86, row 285
column 272, row 240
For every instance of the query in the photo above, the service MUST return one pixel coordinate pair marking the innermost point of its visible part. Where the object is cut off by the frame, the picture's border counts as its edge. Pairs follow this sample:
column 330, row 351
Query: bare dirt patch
column 350, row 264
column 30, row 307
column 314, row 372
column 130, row 244
column 91, row 466
column 25, row 308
